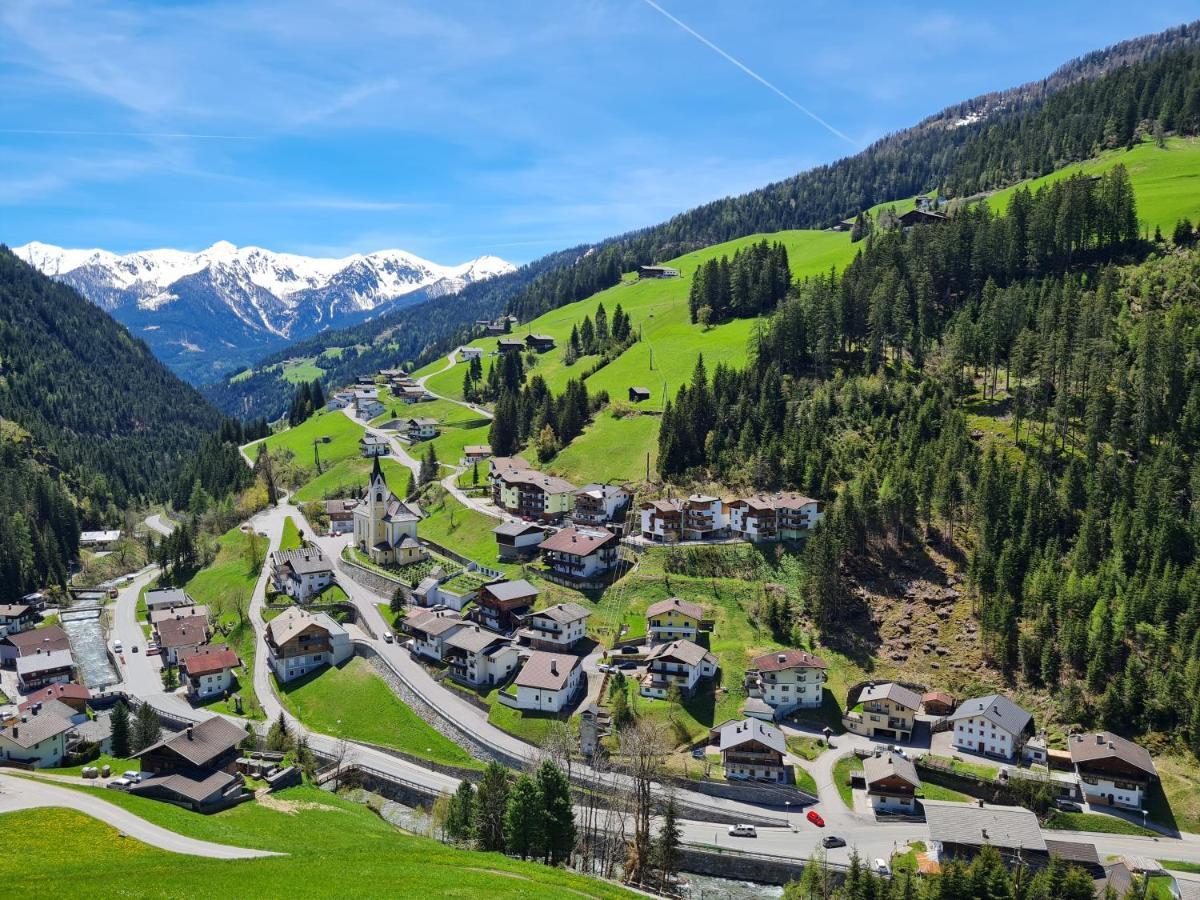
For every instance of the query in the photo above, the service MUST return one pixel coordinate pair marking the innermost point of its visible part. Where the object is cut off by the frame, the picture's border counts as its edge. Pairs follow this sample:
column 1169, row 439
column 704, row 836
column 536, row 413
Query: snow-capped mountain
column 208, row 312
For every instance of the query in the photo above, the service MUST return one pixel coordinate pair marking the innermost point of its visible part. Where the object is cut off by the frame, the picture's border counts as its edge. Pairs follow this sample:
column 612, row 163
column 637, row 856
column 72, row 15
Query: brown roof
column 201, row 743
column 182, row 632
column 1086, row 748
column 36, row 728
column 578, row 541
column 547, row 671
column 13, row 610
column 663, row 505
column 938, row 697
column 675, row 604
column 161, row 615
column 788, row 659
column 290, row 623
column 207, row 660
column 194, row 789
column 683, row 650
column 68, row 691
column 889, row 690
column 47, row 639
column 505, row 591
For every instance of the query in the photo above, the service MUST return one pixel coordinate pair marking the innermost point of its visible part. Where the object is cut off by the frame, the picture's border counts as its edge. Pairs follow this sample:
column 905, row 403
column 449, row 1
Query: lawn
column 354, row 702
column 610, row 449
column 805, row 781
column 117, row 764
column 842, row 770
column 1180, row 865
column 461, row 529
column 531, row 727
column 1174, row 800
column 1065, row 821
column 322, row 837
column 291, row 535
column 981, row 770
column 937, row 792
column 330, row 435
column 806, row 747
column 349, row 477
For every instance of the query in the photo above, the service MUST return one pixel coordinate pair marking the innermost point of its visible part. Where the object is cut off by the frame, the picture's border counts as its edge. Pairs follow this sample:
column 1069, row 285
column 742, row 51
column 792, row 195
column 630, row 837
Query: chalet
column 892, row 783
column 99, row 540
column 600, row 504
column 752, row 749
column 15, row 618
column 779, row 683
column 500, row 606
column 74, row 696
column 704, row 518
column 937, row 703
column 510, row 345
column 430, row 628
column 888, row 710
column 639, row 394
column 1112, row 771
column 299, row 642
column 547, row 682
column 181, row 635
column 341, row 515
column 301, row 573
column 473, row 453
column 392, row 374
column 992, row 725
column 168, row 598
column 365, row 381
column 422, row 429
column 208, row 672
column 161, row 615
column 580, row 553
column 558, row 627
column 679, row 664
column 844, row 225
column 37, row 738
column 412, row 393
column 47, row 639
column 373, row 445
column 528, row 493
column 469, row 353
column 673, row 619
column 340, row 400
column 195, row 768
column 479, row 657
column 915, row 217
column 772, row 517
column 385, row 528
column 657, row 272
column 662, row 521
column 36, row 670
column 539, row 343
column 959, row 831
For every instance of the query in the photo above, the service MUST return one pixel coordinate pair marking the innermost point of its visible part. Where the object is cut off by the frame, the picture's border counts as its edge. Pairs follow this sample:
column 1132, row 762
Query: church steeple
column 376, row 471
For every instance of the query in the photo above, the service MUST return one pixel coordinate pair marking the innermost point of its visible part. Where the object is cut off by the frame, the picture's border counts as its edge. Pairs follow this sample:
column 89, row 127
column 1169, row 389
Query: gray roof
column 735, row 733
column 1087, row 748
column 515, row 529
column 885, row 765
column 511, row 590
column 564, row 613
column 889, row 690
column 684, row 651
column 95, row 730
column 168, row 597
column 194, row 789
column 475, row 639
column 1004, row 827
column 997, row 709
column 302, row 561
column 35, row 729
column 44, row 662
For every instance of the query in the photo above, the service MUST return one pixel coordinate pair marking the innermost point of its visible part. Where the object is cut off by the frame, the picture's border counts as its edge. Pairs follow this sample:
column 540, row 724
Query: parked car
column 698, row 753
column 132, row 776
column 832, row 840
column 880, row 867
column 742, row 831
column 134, row 648
column 628, row 664
column 117, row 646
column 605, row 667
column 815, row 817
column 1067, row 806
column 630, row 649
column 119, row 784
column 388, row 637
column 151, row 650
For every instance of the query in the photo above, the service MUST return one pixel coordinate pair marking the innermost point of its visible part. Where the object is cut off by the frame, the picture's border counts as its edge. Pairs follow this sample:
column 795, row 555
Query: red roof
column 67, row 691
column 788, row 659
column 207, row 660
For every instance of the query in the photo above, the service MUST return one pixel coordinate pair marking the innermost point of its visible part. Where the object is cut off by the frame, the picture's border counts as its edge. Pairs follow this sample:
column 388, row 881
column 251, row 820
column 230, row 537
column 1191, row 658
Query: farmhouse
column 500, row 606
column 558, row 627
column 888, row 711
column 385, row 527
column 15, row 618
column 422, row 429
column 373, row 445
column 37, row 738
column 662, row 521
column 99, row 539
column 753, row 749
column 580, row 553
column 915, row 217
column 473, row 453
column 992, row 725
column 469, row 353
column 779, row 683
column 672, row 619
column 657, row 272
column 547, row 682
column 639, row 394
column 510, row 345
column 36, row 670
column 539, row 343
column 299, row 642
column 937, row 703
column 679, row 664
column 1112, row 771
column 518, row 540
column 180, row 635
column 892, row 783
column 478, row 657
column 208, row 672
column 195, row 768
column 600, row 504
column 301, row 573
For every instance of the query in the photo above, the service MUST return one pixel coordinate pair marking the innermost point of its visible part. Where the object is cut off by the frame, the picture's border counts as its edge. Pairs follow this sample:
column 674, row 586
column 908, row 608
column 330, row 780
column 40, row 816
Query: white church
column 385, row 527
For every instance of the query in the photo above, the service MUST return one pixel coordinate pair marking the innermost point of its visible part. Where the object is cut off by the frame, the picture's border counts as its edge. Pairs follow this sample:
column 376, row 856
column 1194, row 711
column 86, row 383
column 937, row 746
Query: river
column 85, row 629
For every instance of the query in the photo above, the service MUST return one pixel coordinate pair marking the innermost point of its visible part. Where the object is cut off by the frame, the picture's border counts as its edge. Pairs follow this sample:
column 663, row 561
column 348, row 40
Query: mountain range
column 209, row 313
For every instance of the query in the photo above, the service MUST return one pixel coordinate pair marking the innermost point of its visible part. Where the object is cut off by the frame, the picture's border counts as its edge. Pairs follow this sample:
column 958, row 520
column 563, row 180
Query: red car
column 815, row 818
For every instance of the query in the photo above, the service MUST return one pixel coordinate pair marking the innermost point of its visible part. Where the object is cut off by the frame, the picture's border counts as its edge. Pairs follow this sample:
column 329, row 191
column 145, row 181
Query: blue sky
column 460, row 128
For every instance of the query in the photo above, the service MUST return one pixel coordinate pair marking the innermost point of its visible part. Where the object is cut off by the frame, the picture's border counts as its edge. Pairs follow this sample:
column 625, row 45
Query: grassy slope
column 331, row 845
column 348, row 478
column 463, row 530
column 356, row 703
column 291, row 535
column 336, row 425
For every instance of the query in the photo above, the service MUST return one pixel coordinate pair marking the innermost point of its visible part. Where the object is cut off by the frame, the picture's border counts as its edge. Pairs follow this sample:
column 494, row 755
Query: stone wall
column 374, row 581
column 743, row 866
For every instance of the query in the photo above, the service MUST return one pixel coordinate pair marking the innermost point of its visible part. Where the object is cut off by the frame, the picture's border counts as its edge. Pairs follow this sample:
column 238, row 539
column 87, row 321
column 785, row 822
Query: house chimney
column 16, row 731
column 554, row 667
column 782, row 658
column 1099, row 738
column 189, row 732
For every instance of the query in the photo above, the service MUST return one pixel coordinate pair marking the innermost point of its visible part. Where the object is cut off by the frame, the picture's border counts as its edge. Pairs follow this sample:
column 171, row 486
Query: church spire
column 376, row 471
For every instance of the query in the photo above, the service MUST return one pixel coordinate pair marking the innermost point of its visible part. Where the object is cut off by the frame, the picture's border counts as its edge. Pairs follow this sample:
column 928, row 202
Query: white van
column 742, row 831
column 880, row 867
column 388, row 637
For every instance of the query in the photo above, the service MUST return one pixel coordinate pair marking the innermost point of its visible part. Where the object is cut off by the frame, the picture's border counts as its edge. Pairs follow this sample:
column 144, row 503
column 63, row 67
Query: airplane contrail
column 135, row 134
column 706, row 42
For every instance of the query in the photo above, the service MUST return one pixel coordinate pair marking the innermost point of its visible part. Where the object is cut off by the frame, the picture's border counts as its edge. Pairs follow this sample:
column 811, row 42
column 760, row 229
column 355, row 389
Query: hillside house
column 559, row 627
column 639, row 394
column 301, row 573
column 773, row 517
column 527, row 493
column 385, row 528
column 15, row 618
column 161, row 615
column 1112, row 771
column 657, row 272
column 373, row 445
column 674, row 619
column 600, row 504
column 479, row 657
column 510, row 345
column 539, row 343
column 299, row 642
column 195, row 768
column 892, row 783
column 167, row 598
column 475, row 453
column 779, row 683
column 99, row 540
column 518, row 541
column 430, row 629
column 466, row 354
column 751, row 749
column 341, row 515
column 500, row 606
column 917, row 217
column 47, row 639
column 181, row 635
column 422, row 429
column 580, row 554
column 679, row 664
column 662, row 521
column 340, row 400
column 888, row 711
column 959, row 831
column 35, row 738
column 208, row 672
column 38, row 669
column 547, row 682
column 705, row 518
column 411, row 393
column 991, row 725
column 367, row 405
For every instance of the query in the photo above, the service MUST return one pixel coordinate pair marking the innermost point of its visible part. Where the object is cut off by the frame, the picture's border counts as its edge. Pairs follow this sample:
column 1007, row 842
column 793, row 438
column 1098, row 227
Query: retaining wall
column 374, row 581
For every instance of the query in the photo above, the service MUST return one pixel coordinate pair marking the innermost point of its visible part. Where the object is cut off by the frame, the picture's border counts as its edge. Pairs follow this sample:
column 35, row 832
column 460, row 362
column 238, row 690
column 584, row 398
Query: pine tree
column 666, row 846
column 558, row 814
column 459, row 823
column 147, row 728
column 491, row 803
column 524, row 820
column 120, row 730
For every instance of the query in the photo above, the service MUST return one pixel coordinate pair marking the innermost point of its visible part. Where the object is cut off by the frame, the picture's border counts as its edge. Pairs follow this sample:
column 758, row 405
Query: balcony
column 733, row 758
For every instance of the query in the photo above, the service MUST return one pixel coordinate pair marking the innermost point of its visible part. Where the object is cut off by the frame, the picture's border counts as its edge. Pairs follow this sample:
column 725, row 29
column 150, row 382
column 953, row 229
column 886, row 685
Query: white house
column 299, row 642
column 784, row 681
column 477, row 656
column 1112, row 771
column 99, row 538
column 167, row 598
column 704, row 518
column 547, row 682
column 600, row 504
column 772, row 517
column 340, row 400
column 373, row 445
column 385, row 527
column 753, row 749
column 469, row 353
column 679, row 664
column 181, row 635
column 558, row 627
column 674, row 619
column 37, row 670
column 892, row 783
column 992, row 725
column 422, row 429
column 208, row 672
column 302, row 572
column 430, row 629
column 580, row 553
column 37, row 737
column 367, row 405
column 15, row 618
